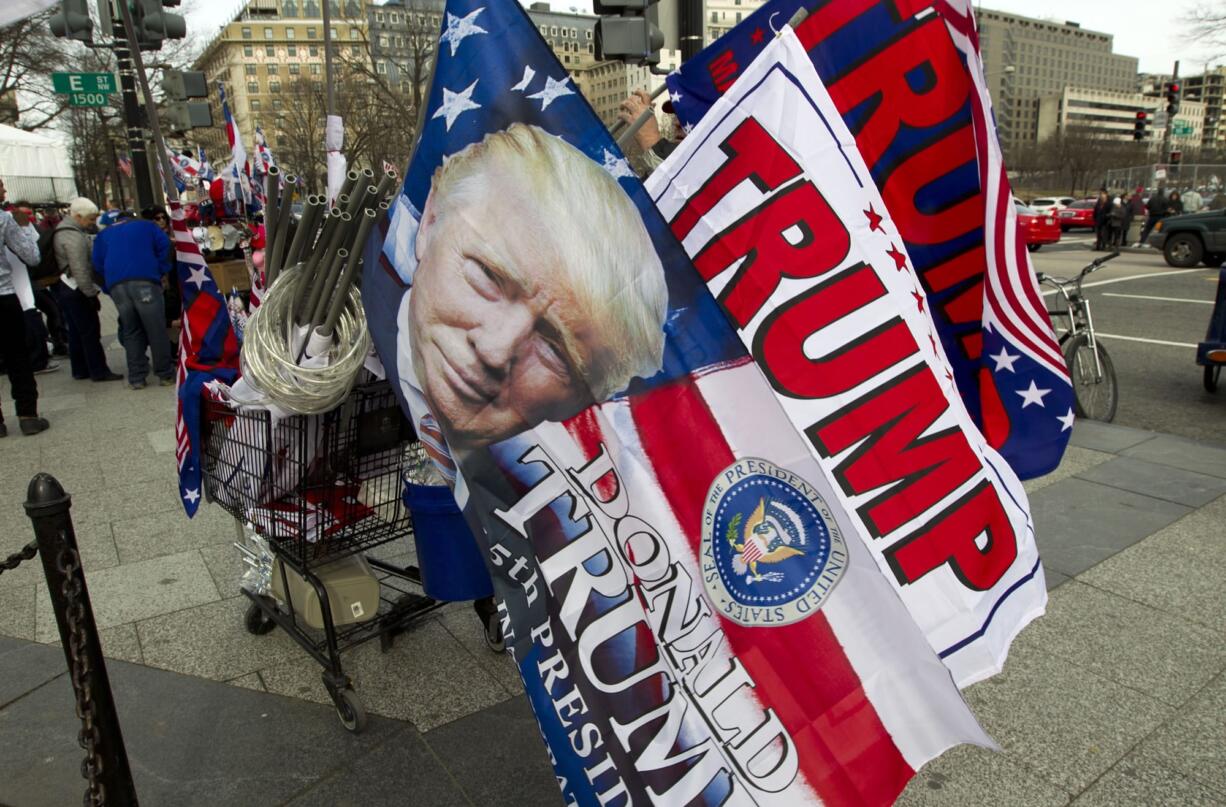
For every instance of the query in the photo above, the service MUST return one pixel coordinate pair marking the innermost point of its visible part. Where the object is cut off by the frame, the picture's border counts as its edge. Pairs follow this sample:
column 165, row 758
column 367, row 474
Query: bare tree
column 1207, row 25
column 28, row 54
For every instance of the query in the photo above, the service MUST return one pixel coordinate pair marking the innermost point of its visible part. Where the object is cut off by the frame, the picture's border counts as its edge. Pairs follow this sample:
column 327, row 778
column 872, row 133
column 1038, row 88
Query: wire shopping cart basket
column 313, row 495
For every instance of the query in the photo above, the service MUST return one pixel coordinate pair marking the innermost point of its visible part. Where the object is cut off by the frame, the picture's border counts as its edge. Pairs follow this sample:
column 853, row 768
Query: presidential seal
column 771, row 549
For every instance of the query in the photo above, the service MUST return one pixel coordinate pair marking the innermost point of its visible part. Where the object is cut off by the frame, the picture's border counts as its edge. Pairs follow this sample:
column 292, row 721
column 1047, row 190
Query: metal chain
column 69, row 564
column 14, row 560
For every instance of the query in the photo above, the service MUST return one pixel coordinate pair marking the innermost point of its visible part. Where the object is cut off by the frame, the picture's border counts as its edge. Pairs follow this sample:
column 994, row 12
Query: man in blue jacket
column 133, row 256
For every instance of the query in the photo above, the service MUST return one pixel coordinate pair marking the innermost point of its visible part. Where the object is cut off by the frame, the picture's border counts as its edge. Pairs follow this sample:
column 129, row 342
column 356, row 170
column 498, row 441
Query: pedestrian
column 1174, row 205
column 77, row 293
column 1155, row 209
column 1115, row 222
column 18, row 235
column 1102, row 207
column 172, row 300
column 1134, row 206
column 21, row 276
column 1192, row 201
column 133, row 256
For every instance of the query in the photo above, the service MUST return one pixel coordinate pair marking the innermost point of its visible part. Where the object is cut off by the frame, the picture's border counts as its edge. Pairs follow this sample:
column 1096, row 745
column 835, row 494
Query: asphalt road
column 1163, row 313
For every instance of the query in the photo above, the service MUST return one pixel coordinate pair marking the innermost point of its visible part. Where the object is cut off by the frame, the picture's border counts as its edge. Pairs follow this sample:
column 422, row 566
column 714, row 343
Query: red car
column 1078, row 214
column 1036, row 228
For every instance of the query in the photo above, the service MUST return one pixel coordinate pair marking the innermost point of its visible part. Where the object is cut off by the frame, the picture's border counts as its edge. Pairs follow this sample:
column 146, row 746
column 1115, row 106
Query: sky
column 1151, row 30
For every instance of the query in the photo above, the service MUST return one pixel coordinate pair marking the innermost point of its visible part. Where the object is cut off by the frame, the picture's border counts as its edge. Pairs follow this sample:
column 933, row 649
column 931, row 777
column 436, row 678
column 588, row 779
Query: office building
column 1113, row 116
column 1210, row 89
column 1028, row 59
column 268, row 46
column 403, row 34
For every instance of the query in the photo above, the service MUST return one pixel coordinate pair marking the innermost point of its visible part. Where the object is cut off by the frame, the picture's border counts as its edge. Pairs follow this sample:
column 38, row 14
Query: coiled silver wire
column 270, row 363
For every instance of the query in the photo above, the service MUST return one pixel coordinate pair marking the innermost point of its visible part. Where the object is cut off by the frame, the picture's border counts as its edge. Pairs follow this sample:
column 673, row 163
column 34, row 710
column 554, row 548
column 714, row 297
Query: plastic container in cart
column 447, row 553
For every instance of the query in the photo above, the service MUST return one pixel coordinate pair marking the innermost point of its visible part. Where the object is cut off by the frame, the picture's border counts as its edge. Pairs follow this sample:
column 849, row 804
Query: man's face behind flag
column 513, row 319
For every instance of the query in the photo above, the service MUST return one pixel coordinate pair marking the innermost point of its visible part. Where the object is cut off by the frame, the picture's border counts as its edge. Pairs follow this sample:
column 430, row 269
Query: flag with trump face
column 908, row 80
column 208, row 354
column 693, row 616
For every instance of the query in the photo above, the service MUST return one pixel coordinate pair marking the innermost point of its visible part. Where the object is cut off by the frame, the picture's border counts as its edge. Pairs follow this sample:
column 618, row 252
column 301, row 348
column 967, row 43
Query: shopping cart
column 318, row 490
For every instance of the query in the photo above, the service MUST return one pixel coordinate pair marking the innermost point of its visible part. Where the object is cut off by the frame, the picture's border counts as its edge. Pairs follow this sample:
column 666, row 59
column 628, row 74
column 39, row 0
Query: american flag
column 125, row 164
column 208, row 354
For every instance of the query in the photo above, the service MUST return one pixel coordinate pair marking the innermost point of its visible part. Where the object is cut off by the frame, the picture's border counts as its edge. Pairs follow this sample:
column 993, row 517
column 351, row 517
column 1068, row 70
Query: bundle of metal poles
column 326, row 246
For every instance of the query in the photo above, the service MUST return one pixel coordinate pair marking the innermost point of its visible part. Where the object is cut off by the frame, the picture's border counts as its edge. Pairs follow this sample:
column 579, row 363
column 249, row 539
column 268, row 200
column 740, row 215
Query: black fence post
column 106, row 761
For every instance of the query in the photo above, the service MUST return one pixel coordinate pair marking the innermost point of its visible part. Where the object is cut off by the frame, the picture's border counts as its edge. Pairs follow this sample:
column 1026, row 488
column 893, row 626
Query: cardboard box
column 230, row 275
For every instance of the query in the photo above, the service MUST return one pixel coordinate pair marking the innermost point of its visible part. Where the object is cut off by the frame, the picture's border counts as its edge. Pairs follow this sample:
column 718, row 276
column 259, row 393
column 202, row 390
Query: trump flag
column 907, row 79
column 773, row 202
column 693, row 615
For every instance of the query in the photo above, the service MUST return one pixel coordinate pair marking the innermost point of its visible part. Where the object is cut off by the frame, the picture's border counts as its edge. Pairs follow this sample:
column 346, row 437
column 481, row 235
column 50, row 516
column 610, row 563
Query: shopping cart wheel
column 258, row 623
column 350, row 710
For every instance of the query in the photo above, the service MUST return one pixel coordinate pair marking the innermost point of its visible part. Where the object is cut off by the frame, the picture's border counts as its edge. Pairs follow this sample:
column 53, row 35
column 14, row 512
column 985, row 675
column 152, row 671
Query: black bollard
column 111, row 784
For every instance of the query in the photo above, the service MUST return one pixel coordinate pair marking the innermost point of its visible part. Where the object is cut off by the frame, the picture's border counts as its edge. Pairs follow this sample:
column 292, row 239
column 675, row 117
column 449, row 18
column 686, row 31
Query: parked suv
column 1051, row 204
column 1191, row 238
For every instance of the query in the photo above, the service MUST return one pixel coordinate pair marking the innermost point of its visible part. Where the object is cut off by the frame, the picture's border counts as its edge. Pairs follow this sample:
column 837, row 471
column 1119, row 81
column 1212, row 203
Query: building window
column 310, row 8
column 295, row 69
column 574, row 34
column 333, row 34
column 246, row 32
column 270, row 51
column 289, row 33
column 355, row 50
column 272, row 69
column 379, row 17
column 553, row 30
column 248, row 51
column 276, row 103
column 253, row 87
column 354, row 33
column 255, row 104
column 268, row 33
column 289, row 8
column 311, row 32
column 292, row 50
column 250, row 70
column 315, row 69
column 589, row 34
column 738, row 16
column 313, row 51
column 381, row 68
column 274, row 87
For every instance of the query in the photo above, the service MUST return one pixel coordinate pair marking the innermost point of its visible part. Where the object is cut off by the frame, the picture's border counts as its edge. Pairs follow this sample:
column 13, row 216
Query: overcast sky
column 1151, row 30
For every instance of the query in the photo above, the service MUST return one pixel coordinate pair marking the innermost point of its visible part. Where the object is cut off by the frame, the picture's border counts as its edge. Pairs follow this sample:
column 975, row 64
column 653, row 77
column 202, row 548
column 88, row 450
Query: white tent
column 35, row 168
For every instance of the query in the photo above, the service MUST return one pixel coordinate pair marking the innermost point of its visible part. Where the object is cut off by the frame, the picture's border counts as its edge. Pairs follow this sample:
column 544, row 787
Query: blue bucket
column 451, row 564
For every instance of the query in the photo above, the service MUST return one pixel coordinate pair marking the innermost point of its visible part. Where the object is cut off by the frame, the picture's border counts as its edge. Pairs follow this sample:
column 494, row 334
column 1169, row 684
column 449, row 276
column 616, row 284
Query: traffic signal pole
column 1170, row 120
column 142, row 179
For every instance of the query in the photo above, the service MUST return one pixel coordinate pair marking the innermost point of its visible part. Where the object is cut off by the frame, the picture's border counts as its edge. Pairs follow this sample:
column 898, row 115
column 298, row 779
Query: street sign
column 1181, row 128
column 75, row 83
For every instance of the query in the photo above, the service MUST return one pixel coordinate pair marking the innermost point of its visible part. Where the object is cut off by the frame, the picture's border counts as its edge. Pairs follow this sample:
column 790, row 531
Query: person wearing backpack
column 78, row 292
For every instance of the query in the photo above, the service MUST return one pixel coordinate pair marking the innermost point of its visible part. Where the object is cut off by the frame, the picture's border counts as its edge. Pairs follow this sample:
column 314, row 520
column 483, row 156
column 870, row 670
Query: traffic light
column 72, row 21
column 1138, row 131
column 183, row 84
column 625, row 31
column 1176, row 158
column 1172, row 97
column 181, row 116
column 154, row 25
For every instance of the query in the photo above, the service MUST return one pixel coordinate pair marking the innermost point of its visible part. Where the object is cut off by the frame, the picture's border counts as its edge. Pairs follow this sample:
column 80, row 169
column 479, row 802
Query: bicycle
column 1095, row 389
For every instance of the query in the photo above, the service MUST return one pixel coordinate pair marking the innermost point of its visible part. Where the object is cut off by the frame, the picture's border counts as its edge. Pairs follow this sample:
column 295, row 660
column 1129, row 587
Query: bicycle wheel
column 1096, row 396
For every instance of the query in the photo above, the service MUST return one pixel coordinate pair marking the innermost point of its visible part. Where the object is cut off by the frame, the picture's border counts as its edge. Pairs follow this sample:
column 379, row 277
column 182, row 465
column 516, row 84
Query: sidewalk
column 1117, row 696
